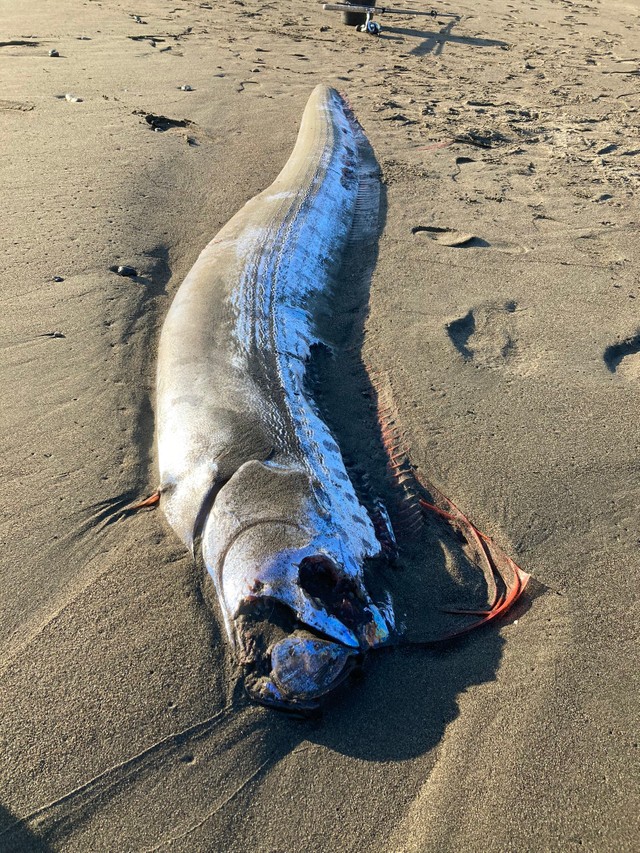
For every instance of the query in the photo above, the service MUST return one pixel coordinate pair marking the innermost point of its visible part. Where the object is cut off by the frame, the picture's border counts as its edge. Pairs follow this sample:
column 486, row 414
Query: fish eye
column 318, row 575
column 321, row 579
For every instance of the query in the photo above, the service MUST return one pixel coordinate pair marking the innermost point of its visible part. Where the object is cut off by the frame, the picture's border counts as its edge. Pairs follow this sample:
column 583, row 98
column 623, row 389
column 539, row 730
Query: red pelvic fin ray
column 499, row 569
column 152, row 501
column 513, row 580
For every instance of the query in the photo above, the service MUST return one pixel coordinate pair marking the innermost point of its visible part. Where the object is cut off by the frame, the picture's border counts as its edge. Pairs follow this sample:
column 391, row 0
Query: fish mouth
column 303, row 669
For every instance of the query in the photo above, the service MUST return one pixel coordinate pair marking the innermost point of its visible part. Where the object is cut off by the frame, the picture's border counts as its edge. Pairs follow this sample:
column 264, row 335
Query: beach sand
column 513, row 358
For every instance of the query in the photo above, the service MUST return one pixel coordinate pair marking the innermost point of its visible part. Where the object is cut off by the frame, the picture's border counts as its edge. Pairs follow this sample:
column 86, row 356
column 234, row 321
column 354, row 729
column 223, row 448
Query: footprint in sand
column 463, row 239
column 486, row 335
column 623, row 357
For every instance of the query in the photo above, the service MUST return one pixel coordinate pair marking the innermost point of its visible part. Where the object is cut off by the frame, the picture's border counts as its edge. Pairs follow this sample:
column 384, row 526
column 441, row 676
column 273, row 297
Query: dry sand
column 514, row 360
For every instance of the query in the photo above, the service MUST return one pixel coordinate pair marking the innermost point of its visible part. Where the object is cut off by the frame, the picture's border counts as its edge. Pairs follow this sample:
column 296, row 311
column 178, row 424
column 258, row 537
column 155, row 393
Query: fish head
column 295, row 604
column 299, row 621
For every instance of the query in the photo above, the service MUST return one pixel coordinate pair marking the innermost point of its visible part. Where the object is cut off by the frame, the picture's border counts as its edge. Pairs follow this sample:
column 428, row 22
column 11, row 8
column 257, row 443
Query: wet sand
column 503, row 317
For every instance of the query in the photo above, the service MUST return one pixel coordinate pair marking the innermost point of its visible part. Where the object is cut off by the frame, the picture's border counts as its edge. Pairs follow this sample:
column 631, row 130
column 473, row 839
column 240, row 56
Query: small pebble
column 57, row 278
column 186, row 88
column 74, row 99
column 126, row 272
column 53, row 52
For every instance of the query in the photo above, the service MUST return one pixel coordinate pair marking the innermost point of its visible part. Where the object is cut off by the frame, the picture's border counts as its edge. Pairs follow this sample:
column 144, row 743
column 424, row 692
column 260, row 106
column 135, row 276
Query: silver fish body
column 249, row 472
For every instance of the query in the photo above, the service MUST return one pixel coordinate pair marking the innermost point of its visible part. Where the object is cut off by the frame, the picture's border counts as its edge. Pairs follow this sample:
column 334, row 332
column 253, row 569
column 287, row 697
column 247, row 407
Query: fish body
column 249, row 472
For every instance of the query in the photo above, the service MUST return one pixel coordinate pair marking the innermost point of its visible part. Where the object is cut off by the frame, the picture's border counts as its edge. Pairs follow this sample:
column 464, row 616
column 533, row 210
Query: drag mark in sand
column 252, row 777
column 165, row 756
column 20, row 106
column 19, row 43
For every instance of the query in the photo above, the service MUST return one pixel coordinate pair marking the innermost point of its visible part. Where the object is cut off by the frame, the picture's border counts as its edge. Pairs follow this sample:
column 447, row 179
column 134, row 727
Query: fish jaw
column 278, row 561
column 304, row 668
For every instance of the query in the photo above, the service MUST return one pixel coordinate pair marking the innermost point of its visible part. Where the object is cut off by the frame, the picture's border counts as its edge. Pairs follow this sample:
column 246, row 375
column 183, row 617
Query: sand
column 503, row 315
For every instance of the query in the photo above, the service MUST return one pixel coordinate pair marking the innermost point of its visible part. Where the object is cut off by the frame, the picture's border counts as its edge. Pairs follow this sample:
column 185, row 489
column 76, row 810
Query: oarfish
column 249, row 472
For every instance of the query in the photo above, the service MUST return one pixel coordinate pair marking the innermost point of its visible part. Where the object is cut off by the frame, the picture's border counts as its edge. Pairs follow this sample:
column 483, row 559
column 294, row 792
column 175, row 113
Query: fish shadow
column 18, row 838
column 402, row 700
column 403, row 706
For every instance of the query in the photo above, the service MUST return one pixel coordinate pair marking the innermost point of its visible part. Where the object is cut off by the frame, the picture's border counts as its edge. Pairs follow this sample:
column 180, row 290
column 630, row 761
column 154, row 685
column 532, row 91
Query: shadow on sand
column 435, row 42
column 15, row 837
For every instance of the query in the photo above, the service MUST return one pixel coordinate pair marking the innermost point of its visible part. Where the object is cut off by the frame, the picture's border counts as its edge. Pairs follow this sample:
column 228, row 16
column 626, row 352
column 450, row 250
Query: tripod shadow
column 434, row 42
